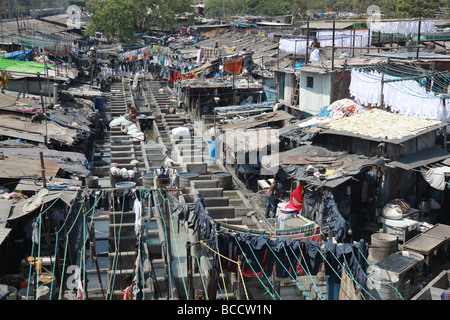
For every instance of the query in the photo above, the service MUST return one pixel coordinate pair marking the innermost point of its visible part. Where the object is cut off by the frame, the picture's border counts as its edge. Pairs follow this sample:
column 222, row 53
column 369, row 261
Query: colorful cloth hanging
column 233, row 66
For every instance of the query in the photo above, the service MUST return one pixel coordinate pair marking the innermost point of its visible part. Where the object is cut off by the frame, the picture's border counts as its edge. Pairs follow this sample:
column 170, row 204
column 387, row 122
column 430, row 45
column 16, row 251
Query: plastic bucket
column 43, row 293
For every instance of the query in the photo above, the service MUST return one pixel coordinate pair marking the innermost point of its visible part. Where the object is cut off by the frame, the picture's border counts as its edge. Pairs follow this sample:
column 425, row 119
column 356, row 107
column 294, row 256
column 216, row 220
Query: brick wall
column 340, row 83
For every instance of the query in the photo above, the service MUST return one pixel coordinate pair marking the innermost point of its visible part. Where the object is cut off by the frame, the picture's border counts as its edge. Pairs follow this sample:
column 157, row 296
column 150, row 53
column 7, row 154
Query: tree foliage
column 396, row 8
column 417, row 8
column 123, row 18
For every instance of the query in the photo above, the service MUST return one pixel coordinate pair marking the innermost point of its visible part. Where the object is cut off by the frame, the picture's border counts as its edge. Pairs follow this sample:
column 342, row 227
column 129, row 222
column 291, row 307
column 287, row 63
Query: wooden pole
column 444, row 110
column 382, row 89
column 94, row 255
column 238, row 282
column 332, row 50
column 379, row 41
column 44, row 182
column 418, row 39
column 189, row 270
column 307, row 42
column 353, row 42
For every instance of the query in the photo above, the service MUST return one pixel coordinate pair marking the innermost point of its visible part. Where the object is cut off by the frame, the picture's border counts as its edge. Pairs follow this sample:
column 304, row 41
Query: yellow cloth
column 4, row 80
column 229, row 49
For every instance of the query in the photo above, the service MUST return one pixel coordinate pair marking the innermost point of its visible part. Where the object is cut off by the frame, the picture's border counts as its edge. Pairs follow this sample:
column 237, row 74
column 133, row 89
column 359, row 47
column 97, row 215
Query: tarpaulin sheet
column 31, row 204
column 22, row 66
column 340, row 165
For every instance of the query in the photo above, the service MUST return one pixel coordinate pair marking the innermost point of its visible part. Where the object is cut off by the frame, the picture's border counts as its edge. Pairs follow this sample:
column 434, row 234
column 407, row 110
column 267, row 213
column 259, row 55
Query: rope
column 298, row 282
column 39, row 247
column 176, row 248
column 307, row 272
column 265, row 287
column 66, row 243
column 265, row 275
column 242, row 279
column 201, row 276
column 116, row 257
column 167, row 245
column 395, row 289
column 56, row 247
column 221, row 269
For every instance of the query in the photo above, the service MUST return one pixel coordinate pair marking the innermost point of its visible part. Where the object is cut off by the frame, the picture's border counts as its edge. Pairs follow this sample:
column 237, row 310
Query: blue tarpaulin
column 23, row 55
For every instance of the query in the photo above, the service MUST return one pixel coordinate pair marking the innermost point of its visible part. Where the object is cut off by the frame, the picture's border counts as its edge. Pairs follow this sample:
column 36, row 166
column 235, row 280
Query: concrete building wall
column 315, row 91
column 289, row 88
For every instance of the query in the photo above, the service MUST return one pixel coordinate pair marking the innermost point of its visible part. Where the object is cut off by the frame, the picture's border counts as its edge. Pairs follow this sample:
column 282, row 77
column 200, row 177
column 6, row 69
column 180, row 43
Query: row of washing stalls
column 84, row 245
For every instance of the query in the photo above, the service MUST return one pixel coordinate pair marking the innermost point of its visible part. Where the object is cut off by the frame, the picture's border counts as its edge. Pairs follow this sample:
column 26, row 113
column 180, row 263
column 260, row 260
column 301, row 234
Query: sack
column 403, row 204
column 392, row 211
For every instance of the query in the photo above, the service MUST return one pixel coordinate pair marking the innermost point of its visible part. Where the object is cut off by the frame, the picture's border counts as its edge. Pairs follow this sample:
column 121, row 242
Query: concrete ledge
column 200, row 168
column 217, row 202
column 220, row 212
column 208, row 193
column 203, row 184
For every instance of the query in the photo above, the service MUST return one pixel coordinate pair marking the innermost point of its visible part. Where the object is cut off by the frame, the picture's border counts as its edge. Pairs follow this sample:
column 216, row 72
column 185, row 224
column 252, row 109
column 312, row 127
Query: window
column 309, row 82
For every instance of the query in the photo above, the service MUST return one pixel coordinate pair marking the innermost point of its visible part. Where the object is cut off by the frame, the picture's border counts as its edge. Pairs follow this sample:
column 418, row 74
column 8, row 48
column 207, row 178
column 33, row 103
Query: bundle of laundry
column 392, row 211
column 132, row 130
column 181, row 131
column 120, row 172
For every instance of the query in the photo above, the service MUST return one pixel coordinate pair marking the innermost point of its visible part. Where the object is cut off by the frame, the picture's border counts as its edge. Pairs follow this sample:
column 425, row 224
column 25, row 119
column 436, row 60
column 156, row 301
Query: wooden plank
column 15, row 167
column 263, row 184
column 22, row 135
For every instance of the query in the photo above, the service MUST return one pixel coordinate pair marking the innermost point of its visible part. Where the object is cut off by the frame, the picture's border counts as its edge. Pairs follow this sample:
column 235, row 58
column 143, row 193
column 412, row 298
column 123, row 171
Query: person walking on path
column 272, row 198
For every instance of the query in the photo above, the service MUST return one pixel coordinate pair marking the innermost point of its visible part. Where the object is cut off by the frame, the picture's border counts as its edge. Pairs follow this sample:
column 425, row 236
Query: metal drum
column 147, row 180
column 225, row 180
column 185, row 179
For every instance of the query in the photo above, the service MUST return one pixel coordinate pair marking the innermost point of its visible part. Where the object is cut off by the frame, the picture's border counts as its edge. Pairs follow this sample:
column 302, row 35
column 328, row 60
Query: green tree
column 417, row 8
column 123, row 18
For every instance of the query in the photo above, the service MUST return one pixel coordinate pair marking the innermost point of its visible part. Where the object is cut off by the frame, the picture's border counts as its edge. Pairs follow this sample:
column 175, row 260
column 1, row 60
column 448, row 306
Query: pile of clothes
column 120, row 172
column 128, row 127
column 344, row 108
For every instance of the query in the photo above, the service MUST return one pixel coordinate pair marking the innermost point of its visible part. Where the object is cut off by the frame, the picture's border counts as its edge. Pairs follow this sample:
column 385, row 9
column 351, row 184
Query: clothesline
column 357, row 38
column 406, row 97
column 404, row 27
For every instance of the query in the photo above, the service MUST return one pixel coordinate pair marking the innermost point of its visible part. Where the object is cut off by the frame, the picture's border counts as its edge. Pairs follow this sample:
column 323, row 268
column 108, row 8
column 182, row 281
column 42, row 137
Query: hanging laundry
column 4, row 80
column 436, row 176
column 347, row 290
column 233, row 66
column 137, row 208
column 403, row 27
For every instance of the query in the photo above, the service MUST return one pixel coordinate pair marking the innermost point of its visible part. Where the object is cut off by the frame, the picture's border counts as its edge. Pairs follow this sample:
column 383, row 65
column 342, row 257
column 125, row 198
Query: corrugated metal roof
column 328, row 25
column 408, row 55
column 3, row 234
column 421, row 158
column 255, row 121
column 5, row 208
column 16, row 167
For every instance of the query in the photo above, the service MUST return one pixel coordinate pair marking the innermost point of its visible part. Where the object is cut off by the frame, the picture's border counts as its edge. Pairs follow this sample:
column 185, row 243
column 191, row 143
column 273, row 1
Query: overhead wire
column 172, row 228
column 37, row 235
